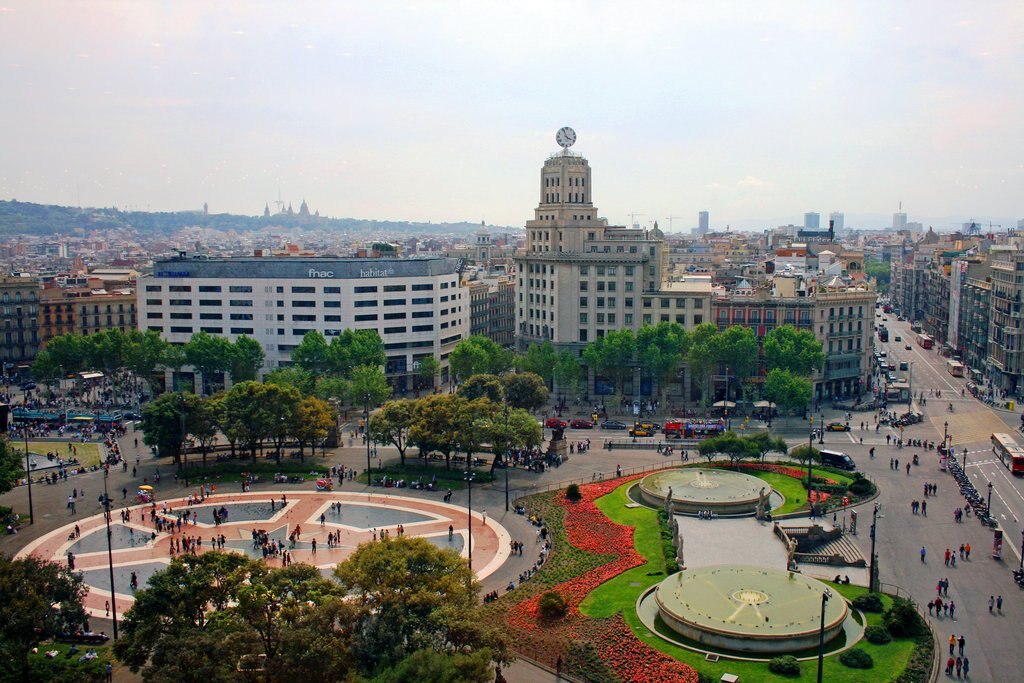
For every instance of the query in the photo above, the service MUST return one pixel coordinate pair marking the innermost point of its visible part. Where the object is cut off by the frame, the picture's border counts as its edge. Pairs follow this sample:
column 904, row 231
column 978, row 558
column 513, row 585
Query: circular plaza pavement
column 136, row 550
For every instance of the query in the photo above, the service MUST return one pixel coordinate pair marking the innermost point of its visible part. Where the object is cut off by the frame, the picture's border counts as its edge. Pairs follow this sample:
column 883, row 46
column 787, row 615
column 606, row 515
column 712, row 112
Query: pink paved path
column 490, row 540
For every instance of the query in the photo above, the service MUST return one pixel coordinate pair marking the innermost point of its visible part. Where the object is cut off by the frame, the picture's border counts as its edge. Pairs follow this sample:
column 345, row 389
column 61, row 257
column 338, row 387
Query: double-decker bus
column 883, row 334
column 693, row 429
column 955, row 368
column 1009, row 452
column 924, row 341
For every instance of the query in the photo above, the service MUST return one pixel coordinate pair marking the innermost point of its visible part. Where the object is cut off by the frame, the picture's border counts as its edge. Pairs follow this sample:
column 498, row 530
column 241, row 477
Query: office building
column 703, row 223
column 812, row 220
column 838, row 221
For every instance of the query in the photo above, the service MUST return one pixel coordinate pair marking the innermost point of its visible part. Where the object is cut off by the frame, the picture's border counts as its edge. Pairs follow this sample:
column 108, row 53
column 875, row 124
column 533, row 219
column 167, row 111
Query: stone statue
column 557, row 433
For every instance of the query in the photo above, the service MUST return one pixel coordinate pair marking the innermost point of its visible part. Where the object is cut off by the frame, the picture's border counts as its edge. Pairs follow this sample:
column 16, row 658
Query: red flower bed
column 777, row 469
column 587, row 528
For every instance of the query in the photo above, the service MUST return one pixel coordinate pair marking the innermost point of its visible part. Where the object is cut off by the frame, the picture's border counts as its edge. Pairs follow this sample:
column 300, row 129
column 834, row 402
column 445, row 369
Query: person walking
column 960, row 643
column 967, row 667
column 959, row 666
column 923, row 551
column 952, row 645
column 991, row 603
column 999, row 604
column 952, row 611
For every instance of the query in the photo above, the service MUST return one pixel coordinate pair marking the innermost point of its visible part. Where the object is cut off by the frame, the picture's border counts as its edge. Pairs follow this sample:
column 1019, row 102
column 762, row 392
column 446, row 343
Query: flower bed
column 777, row 469
column 584, row 529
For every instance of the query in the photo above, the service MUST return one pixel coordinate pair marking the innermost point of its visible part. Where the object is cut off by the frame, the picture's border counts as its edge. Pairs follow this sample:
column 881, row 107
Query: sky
column 446, row 110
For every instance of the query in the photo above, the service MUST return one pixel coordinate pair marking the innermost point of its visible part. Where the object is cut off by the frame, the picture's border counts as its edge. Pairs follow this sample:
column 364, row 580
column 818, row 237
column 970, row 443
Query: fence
column 899, row 591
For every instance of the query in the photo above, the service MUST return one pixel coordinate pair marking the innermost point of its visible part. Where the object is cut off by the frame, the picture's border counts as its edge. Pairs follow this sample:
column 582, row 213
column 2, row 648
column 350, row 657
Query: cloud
column 753, row 182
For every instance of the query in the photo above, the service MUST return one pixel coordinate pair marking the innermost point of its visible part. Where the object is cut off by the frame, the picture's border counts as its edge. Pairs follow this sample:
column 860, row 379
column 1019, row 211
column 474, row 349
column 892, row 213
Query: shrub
column 902, row 619
column 553, row 605
column 584, row 661
column 784, row 666
column 862, row 487
column 856, row 659
column 573, row 494
column 869, row 602
column 877, row 635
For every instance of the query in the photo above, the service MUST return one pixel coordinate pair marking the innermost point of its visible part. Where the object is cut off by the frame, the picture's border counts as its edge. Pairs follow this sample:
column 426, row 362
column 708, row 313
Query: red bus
column 693, row 429
column 924, row 341
column 1009, row 452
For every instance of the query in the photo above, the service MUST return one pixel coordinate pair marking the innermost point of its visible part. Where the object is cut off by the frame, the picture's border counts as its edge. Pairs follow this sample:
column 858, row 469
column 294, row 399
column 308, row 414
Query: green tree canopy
column 314, row 419
column 525, row 390
column 437, row 424
column 660, row 351
column 736, row 348
column 880, row 271
column 539, row 359
column 210, row 355
column 612, row 356
column 391, row 425
column 355, row 349
column 478, row 355
column 481, row 386
column 12, row 465
column 702, row 358
column 427, row 369
column 246, row 359
column 766, row 443
column 729, row 444
column 311, row 354
column 291, row 377
column 162, row 423
column 798, row 351
column 568, row 374
column 367, row 381
column 787, row 390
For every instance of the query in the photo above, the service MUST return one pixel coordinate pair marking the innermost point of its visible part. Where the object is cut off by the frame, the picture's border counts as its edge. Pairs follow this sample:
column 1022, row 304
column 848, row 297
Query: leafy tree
column 787, row 390
column 314, row 419
column 107, row 349
column 249, row 416
column 427, row 369
column 525, row 390
column 880, row 271
column 391, row 424
column 477, row 418
column 354, row 349
column 38, row 600
column 478, row 355
column 737, row 349
column 612, row 356
column 162, row 423
column 291, row 377
column 539, row 359
column 210, row 355
column 729, row 444
column 246, row 359
column 45, row 367
column 702, row 358
column 512, row 428
column 282, row 404
column 203, row 418
column 437, row 424
column 69, row 351
column 803, row 452
column 12, row 465
column 311, row 355
column 146, row 352
column 660, row 350
column 798, row 351
column 431, row 666
column 568, row 374
column 765, row 443
column 368, row 380
column 483, row 386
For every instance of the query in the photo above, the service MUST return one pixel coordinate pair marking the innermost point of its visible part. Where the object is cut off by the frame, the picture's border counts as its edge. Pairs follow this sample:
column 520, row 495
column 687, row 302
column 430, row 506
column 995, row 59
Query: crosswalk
column 970, row 427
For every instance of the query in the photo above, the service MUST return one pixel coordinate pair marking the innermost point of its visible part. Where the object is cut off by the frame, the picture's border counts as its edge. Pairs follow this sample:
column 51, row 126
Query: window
column 240, row 289
column 366, row 317
column 423, row 300
column 366, row 304
column 211, row 316
column 629, row 302
column 583, row 318
column 611, row 302
column 424, row 288
column 332, row 290
column 600, row 285
column 304, row 318
column 153, row 315
column 611, row 318
column 212, row 330
column 629, row 286
column 665, row 303
column 332, row 304
column 583, row 333
column 240, row 302
column 243, row 330
column 698, row 319
column 584, row 270
column 303, row 304
column 236, row 316
column 179, row 288
column 394, row 288
column 698, row 303
column 303, row 290
column 365, row 290
column 423, row 314
column 209, row 302
column 647, row 302
column 394, row 330
column 154, row 288
column 584, row 285
column 209, row 288
column 181, row 330
column 180, row 302
column 600, row 318
column 154, row 302
column 394, row 316
column 647, row 319
column 422, row 328
column 394, row 302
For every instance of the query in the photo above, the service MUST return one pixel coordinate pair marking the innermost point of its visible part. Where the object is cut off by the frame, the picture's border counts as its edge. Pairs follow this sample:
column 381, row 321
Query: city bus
column 1009, row 452
column 924, row 341
column 955, row 368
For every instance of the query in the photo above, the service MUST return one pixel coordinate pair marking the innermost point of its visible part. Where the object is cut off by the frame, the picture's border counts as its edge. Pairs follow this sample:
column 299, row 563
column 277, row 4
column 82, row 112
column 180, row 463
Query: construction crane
column 632, row 218
column 670, row 219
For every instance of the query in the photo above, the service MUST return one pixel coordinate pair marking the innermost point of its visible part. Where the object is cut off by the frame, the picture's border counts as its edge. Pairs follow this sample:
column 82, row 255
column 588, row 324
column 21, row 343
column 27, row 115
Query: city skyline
column 445, row 112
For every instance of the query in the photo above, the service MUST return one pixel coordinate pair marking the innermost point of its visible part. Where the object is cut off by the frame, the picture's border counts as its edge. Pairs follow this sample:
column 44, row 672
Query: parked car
column 612, row 424
column 640, row 431
column 837, row 427
column 908, row 347
column 581, row 424
column 649, row 426
column 898, row 338
column 553, row 422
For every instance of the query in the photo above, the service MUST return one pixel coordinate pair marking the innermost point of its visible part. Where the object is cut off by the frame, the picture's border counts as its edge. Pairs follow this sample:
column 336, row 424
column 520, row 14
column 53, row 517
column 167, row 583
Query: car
column 553, row 422
column 901, row 318
column 581, row 424
column 640, row 431
column 612, row 424
column 837, row 427
column 898, row 338
column 650, row 426
column 908, row 347
column 885, row 320
column 131, row 416
column 28, row 386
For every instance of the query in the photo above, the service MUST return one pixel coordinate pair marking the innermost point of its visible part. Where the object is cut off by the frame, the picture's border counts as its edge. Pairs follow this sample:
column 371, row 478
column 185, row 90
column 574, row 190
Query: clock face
column 565, row 136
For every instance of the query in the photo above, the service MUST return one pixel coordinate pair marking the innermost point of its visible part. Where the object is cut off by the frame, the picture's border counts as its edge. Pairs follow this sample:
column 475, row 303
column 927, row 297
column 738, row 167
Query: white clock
column 566, row 136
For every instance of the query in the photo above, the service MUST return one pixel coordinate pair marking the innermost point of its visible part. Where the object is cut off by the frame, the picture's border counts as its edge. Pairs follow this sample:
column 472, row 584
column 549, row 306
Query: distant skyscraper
column 899, row 221
column 703, row 222
column 812, row 220
column 915, row 227
column 838, row 221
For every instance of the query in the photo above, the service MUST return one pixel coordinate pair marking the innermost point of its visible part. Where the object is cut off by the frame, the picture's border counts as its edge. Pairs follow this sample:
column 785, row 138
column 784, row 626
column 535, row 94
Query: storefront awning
column 90, row 375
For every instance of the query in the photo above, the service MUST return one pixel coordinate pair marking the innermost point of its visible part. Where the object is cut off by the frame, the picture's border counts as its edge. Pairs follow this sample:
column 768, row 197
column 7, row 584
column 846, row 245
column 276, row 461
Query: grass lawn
column 88, row 453
column 792, row 489
column 621, row 593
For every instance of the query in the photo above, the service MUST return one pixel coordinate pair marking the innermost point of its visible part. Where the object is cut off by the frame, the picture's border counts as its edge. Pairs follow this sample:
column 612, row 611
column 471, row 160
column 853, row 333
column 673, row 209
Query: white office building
column 838, row 221
column 416, row 305
column 812, row 220
column 703, row 222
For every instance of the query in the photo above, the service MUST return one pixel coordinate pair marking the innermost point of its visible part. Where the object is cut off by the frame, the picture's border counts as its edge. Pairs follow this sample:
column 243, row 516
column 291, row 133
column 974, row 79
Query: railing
column 817, row 558
column 900, row 592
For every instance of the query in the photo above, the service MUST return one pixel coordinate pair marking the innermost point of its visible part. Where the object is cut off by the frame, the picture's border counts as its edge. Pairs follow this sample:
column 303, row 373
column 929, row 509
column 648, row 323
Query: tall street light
column 821, row 633
column 366, row 430
column 1022, row 549
column 469, row 507
column 965, row 459
column 505, row 456
column 989, row 503
column 810, row 453
column 873, row 577
column 28, row 478
column 110, row 552
column 184, row 449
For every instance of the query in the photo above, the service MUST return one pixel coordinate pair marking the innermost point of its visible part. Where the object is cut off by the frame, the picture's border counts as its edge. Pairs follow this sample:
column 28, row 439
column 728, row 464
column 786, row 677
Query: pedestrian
column 960, row 643
column 967, row 667
column 110, row 672
column 133, row 471
column 991, row 603
column 945, row 586
column 949, row 666
column 959, row 666
column 931, row 606
column 999, row 604
column 908, row 469
column 107, row 606
column 924, row 508
column 952, row 615
column 967, row 551
column 952, row 645
column 947, row 557
column 923, row 551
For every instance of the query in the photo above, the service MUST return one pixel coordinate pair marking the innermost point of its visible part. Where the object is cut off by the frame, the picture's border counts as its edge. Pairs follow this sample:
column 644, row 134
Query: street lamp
column 989, row 503
column 965, row 459
column 366, row 429
column 1022, row 549
column 873, row 577
column 28, row 478
column 184, row 449
column 469, row 509
column 505, row 456
column 945, row 434
column 110, row 552
column 821, row 633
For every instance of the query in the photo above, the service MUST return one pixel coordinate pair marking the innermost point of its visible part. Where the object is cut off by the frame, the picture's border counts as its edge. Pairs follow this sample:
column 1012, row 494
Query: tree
column 163, row 423
column 107, row 349
column 880, row 271
column 483, row 386
column 568, row 374
column 45, row 367
column 248, row 415
column 437, row 424
column 291, row 377
column 314, row 419
column 246, row 359
column 38, row 600
column 478, row 355
column 145, row 353
column 798, row 351
column 512, row 428
column 702, row 358
column 391, row 424
column 737, row 349
column 427, row 370
column 203, row 418
column 765, row 443
column 280, row 412
column 311, row 355
column 539, row 359
column 68, row 351
column 660, row 351
column 354, row 349
column 367, row 381
column 729, row 444
column 787, row 390
column 612, row 355
column 525, row 390
column 431, row 666
column 209, row 355
column 12, row 465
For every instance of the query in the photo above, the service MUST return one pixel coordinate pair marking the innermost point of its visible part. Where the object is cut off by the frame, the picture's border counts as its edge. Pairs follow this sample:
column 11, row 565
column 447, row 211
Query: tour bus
column 955, row 368
column 915, row 326
column 1009, row 452
column 693, row 429
column 924, row 341
column 883, row 334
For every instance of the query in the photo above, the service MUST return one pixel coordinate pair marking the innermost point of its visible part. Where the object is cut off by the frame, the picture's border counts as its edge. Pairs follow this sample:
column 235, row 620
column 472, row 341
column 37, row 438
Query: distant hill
column 46, row 219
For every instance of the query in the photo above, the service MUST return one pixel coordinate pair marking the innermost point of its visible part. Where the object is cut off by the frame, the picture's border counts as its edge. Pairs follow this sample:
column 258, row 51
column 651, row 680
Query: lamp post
column 110, row 552
column 810, row 453
column 184, row 450
column 1022, row 549
column 945, row 434
column 366, row 429
column 821, row 633
column 505, row 456
column 989, row 503
column 965, row 458
column 28, row 478
column 469, row 509
column 873, row 577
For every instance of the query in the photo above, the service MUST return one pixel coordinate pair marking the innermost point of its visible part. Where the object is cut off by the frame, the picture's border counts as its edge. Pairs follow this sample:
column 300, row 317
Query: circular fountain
column 748, row 609
column 694, row 489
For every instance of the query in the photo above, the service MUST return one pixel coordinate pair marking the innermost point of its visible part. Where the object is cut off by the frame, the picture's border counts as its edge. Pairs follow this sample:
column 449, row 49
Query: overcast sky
column 445, row 111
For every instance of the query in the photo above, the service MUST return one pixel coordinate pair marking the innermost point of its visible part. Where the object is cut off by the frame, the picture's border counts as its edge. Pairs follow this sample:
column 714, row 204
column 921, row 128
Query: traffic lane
column 1007, row 497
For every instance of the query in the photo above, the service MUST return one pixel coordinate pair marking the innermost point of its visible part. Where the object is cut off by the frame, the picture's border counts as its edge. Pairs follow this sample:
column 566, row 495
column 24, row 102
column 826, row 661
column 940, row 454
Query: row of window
column 248, row 303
